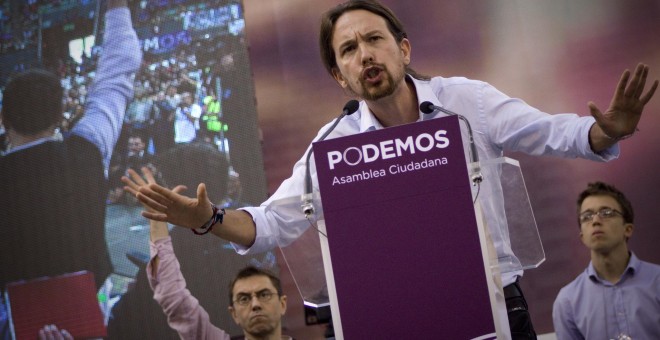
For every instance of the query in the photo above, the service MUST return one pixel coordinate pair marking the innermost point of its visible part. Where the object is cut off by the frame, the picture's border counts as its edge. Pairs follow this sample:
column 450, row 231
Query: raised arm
column 621, row 118
column 169, row 206
column 184, row 313
column 112, row 87
column 158, row 229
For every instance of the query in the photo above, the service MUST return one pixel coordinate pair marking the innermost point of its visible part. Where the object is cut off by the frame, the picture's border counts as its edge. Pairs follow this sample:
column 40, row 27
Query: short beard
column 379, row 93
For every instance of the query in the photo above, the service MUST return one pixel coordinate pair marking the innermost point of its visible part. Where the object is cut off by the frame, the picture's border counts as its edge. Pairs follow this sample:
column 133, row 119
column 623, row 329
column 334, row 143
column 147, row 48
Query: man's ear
column 406, row 49
column 581, row 236
column 283, row 304
column 339, row 77
column 232, row 311
column 629, row 230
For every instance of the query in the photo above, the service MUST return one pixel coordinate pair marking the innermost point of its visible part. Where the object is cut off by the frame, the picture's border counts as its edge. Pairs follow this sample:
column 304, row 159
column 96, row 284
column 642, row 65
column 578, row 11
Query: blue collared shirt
column 593, row 308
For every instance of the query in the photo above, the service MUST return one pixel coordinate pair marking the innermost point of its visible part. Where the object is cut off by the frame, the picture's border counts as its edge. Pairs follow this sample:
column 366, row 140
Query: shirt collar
column 36, row 142
column 369, row 122
column 631, row 269
column 633, row 264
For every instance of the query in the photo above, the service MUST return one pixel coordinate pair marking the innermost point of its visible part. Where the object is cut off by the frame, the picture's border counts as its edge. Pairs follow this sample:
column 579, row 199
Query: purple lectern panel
column 402, row 234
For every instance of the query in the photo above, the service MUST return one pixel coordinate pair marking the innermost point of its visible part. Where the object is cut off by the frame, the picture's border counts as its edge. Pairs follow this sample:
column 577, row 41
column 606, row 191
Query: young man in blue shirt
column 618, row 295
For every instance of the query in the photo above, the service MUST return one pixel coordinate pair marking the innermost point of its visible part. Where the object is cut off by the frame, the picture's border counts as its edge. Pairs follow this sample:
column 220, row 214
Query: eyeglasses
column 263, row 296
column 604, row 213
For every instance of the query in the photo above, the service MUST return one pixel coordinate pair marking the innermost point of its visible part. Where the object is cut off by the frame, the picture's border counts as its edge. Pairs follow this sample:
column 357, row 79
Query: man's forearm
column 158, row 230
column 238, row 227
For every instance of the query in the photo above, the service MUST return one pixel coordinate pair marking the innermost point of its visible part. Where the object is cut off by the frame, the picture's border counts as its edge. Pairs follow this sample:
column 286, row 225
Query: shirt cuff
column 160, row 248
column 606, row 155
column 262, row 242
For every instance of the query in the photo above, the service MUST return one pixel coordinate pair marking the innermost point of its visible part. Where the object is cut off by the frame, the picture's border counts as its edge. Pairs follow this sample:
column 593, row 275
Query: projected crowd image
column 192, row 119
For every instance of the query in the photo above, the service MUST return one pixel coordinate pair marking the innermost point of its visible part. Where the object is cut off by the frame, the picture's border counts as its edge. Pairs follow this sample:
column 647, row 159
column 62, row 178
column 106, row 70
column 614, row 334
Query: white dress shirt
column 499, row 123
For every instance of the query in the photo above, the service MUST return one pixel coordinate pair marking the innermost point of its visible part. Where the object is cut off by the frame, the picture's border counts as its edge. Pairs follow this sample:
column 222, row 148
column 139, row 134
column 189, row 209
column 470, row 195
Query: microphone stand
column 308, row 205
column 476, row 177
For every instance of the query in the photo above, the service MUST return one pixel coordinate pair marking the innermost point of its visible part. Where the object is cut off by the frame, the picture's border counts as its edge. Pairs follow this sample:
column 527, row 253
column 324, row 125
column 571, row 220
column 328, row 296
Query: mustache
column 369, row 66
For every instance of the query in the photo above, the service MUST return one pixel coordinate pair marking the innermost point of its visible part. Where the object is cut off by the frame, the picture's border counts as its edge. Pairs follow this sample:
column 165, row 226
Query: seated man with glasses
column 256, row 301
column 617, row 296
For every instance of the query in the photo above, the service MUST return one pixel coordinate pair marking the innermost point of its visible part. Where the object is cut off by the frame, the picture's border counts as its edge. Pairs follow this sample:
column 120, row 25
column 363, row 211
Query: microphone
column 476, row 177
column 307, row 206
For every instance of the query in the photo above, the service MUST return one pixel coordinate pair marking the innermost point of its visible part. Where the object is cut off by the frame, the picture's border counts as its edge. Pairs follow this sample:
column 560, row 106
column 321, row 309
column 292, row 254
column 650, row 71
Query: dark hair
column 330, row 17
column 604, row 189
column 250, row 271
column 32, row 102
column 135, row 133
column 188, row 164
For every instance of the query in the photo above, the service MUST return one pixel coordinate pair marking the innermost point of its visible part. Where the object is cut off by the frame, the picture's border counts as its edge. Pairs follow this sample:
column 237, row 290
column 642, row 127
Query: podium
column 399, row 245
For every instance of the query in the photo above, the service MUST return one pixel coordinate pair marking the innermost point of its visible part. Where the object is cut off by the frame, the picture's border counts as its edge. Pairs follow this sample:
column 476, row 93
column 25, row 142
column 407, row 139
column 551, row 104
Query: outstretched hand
column 135, row 181
column 626, row 107
column 167, row 205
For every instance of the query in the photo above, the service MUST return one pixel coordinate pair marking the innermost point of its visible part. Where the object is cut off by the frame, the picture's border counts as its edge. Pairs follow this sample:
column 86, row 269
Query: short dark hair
column 330, row 17
column 188, row 164
column 32, row 102
column 604, row 189
column 250, row 271
column 135, row 133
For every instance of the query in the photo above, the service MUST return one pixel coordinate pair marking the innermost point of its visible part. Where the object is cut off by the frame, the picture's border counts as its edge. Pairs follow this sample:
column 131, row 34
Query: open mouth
column 372, row 73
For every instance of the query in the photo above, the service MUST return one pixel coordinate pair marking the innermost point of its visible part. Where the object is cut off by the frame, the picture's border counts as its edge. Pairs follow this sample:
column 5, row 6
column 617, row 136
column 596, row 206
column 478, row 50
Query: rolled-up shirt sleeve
column 112, row 87
column 184, row 313
column 515, row 126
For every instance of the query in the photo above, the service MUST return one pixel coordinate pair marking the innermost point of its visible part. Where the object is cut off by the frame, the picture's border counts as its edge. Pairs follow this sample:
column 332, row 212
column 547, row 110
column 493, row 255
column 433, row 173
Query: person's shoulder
column 566, row 295
column 456, row 85
column 78, row 142
column 455, row 81
column 651, row 267
column 576, row 285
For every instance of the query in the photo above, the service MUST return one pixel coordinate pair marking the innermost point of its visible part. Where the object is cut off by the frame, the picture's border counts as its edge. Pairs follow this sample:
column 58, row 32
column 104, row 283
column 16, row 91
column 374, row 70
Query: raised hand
column 626, row 107
column 167, row 205
column 135, row 182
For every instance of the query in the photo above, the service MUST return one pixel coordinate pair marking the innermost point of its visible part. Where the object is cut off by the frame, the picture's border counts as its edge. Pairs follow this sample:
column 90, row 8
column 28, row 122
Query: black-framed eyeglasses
column 263, row 296
column 604, row 213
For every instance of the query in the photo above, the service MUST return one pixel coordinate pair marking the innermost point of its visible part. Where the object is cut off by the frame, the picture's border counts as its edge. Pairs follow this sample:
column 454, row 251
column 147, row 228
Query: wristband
column 217, row 217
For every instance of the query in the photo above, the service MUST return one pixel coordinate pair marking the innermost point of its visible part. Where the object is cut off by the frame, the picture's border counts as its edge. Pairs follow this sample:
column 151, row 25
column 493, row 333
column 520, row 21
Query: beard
column 382, row 89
